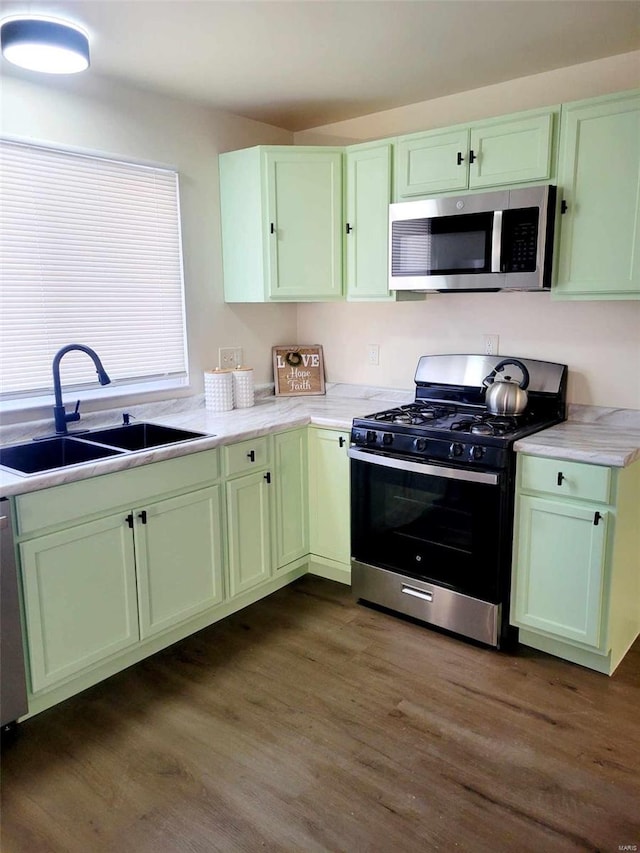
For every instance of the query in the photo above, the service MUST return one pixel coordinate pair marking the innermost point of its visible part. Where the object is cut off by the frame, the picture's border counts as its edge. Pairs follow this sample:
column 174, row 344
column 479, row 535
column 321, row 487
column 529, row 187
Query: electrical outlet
column 491, row 344
column 373, row 352
column 229, row 357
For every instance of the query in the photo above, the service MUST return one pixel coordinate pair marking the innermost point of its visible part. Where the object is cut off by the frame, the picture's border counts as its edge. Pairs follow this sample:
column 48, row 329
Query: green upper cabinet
column 281, row 220
column 599, row 181
column 368, row 193
column 512, row 150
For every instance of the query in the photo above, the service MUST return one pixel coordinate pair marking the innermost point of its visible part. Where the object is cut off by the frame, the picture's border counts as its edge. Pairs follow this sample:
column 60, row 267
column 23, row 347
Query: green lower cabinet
column 599, row 181
column 576, row 560
column 291, row 517
column 329, row 504
column 178, row 558
column 248, row 531
column 80, row 603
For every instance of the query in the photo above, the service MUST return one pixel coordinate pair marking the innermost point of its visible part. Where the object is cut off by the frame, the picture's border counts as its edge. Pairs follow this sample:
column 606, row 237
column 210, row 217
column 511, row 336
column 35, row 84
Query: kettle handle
column 488, row 380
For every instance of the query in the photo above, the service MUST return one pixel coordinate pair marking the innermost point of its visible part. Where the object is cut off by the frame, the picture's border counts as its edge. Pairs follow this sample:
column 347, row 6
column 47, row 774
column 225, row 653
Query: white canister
column 243, row 391
column 218, row 390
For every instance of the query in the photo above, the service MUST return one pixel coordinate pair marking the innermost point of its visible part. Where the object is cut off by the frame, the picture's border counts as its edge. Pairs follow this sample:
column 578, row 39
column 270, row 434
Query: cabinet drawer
column 566, row 479
column 246, row 456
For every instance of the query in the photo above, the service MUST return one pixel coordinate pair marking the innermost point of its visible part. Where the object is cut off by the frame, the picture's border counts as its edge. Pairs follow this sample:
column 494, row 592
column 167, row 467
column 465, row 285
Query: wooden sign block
column 298, row 370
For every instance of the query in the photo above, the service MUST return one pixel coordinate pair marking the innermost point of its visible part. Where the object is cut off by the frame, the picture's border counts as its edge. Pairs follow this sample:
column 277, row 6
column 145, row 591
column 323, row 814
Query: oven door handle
column 422, row 467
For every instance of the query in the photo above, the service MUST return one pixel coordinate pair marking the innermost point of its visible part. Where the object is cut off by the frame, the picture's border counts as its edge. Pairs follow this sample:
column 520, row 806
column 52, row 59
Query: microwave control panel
column 519, row 240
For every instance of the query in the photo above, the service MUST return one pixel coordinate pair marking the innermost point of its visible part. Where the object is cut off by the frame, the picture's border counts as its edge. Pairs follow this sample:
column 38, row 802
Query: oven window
column 443, row 245
column 442, row 530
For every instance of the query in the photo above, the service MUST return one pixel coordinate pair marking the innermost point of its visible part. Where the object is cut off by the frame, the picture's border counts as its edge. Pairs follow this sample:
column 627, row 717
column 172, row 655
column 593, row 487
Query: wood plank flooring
column 310, row 723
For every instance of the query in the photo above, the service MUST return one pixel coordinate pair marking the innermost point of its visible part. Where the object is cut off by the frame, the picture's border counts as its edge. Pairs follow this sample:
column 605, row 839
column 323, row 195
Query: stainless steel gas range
column 432, row 487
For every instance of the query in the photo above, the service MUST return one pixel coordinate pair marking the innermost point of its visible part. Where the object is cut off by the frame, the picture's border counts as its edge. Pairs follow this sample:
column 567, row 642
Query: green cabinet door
column 368, row 193
column 559, row 569
column 248, row 531
column 291, row 517
column 304, row 210
column 79, row 598
column 329, row 495
column 511, row 151
column 179, row 558
column 599, row 179
column 431, row 163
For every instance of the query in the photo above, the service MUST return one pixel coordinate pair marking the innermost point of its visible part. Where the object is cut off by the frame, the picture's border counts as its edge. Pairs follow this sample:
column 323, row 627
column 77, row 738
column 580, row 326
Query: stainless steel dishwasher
column 13, row 690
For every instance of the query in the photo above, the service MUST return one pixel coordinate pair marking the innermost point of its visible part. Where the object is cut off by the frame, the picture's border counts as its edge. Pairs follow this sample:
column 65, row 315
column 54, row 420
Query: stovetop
column 425, row 417
column 449, row 420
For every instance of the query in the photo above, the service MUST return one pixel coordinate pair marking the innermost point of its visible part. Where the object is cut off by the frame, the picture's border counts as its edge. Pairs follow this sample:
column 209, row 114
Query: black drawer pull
column 251, row 455
column 561, row 477
column 596, row 518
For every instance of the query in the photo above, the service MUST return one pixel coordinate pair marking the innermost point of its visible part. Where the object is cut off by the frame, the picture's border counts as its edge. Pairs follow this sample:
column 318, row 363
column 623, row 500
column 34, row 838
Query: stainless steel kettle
column 504, row 395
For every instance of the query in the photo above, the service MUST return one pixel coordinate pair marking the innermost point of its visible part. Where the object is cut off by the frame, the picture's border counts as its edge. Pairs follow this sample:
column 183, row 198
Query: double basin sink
column 49, row 454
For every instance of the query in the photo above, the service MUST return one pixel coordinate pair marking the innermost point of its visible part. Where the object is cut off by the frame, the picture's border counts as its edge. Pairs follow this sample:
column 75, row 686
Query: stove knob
column 371, row 436
column 420, row 444
column 456, row 449
column 476, row 453
column 387, row 438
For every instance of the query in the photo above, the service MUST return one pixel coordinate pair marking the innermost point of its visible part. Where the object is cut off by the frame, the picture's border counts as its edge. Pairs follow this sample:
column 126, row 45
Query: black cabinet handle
column 267, row 477
column 561, row 477
column 348, row 228
column 341, row 441
column 472, row 156
column 129, row 520
column 272, row 228
column 460, row 158
column 564, row 206
column 143, row 516
column 596, row 518
column 251, row 455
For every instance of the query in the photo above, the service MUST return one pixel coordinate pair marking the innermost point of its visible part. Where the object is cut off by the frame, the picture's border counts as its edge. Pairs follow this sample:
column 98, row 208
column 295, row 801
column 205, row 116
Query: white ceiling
column 303, row 63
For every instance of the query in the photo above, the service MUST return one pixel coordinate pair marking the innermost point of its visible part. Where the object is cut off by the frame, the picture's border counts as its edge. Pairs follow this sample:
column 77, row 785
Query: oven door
column 435, row 523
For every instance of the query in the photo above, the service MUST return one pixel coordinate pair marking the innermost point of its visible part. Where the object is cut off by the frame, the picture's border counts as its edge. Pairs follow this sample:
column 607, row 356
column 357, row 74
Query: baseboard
column 330, row 569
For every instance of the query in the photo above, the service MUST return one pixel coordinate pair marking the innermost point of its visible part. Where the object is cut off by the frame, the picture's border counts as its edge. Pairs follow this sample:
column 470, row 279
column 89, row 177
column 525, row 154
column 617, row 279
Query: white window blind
column 90, row 253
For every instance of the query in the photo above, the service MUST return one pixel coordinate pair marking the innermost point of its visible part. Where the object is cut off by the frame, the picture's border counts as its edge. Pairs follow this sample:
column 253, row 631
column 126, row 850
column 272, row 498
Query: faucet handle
column 75, row 415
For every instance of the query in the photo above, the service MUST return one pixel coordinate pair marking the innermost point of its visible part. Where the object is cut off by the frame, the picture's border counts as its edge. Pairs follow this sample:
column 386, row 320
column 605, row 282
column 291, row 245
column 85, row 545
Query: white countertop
column 270, row 414
column 591, row 434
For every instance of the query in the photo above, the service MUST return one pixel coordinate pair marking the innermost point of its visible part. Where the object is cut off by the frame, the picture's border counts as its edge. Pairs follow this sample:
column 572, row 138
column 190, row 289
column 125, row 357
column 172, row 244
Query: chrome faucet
column 60, row 416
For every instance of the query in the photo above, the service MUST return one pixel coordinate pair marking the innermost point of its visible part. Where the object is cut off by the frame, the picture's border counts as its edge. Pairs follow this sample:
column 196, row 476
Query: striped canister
column 243, row 391
column 218, row 390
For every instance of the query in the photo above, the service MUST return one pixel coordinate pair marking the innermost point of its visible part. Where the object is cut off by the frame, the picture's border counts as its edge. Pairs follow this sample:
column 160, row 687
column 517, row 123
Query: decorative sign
column 298, row 370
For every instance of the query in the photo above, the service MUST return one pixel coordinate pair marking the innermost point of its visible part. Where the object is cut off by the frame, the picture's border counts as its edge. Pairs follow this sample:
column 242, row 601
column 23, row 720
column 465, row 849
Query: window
column 90, row 253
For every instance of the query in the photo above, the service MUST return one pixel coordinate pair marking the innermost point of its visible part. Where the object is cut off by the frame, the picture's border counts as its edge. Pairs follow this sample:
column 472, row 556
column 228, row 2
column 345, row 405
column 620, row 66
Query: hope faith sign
column 298, row 370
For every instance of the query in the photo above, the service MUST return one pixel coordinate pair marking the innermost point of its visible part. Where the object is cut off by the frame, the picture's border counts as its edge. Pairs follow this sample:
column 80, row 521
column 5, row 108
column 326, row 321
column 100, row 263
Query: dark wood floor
column 309, row 723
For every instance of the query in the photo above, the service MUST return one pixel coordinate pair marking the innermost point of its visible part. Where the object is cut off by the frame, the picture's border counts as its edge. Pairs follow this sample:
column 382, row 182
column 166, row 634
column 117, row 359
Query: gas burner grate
column 415, row 414
column 485, row 424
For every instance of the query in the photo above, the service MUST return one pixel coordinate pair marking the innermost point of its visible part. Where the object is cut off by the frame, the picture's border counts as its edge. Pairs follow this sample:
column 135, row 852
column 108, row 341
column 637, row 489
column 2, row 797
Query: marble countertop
column 591, row 434
column 336, row 410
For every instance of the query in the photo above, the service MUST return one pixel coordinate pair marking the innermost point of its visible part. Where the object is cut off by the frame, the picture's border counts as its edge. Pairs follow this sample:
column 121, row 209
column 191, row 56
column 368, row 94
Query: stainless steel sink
column 34, row 457
column 141, row 436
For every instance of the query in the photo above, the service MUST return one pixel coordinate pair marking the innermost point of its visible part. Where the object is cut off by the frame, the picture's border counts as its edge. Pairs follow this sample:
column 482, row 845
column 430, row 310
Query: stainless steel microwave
column 482, row 241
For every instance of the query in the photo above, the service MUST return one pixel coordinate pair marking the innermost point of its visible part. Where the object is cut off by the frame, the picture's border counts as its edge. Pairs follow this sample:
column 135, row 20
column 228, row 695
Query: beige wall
column 600, row 341
column 106, row 117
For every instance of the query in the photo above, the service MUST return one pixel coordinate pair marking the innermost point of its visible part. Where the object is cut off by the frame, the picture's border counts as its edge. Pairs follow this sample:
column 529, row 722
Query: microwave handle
column 496, row 242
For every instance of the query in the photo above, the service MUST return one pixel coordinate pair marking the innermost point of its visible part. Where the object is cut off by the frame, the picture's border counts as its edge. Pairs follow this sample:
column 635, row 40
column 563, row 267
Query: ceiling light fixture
column 41, row 44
